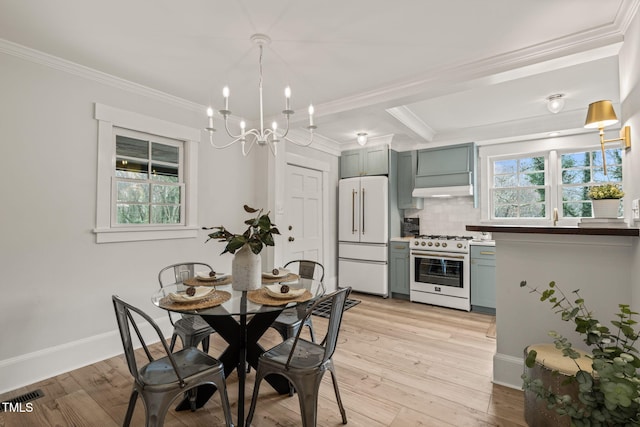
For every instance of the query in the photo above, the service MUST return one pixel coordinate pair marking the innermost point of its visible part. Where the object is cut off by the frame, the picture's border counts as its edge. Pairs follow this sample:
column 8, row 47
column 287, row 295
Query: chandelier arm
column 246, row 153
column 302, row 144
column 226, row 127
column 273, row 147
column 220, row 147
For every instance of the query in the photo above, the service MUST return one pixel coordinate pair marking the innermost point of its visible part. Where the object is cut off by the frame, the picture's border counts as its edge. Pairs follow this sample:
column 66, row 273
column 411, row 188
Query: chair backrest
column 126, row 323
column 308, row 269
column 338, row 301
column 181, row 272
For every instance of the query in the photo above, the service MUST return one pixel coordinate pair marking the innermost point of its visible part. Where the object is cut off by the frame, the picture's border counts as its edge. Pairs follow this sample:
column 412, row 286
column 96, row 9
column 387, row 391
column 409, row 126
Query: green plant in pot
column 246, row 266
column 605, row 191
column 610, row 395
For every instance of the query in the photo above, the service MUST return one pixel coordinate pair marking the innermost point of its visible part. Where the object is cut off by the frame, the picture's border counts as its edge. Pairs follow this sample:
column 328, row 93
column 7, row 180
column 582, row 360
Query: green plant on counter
column 605, row 191
column 609, row 397
column 259, row 233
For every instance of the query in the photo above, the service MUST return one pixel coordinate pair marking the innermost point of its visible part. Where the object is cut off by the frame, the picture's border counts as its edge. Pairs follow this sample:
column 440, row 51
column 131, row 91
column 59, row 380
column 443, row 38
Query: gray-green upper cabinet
column 364, row 161
column 447, row 166
column 407, row 163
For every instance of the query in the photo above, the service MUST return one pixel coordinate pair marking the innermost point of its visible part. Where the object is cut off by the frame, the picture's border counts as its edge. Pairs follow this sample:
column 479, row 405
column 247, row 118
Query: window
column 531, row 186
column 518, row 188
column 580, row 171
column 146, row 185
column 147, row 180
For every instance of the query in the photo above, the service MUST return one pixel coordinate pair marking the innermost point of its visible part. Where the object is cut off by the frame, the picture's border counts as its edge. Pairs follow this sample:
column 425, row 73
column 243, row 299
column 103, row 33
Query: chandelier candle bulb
column 210, row 115
column 225, row 94
column 287, row 96
column 311, row 110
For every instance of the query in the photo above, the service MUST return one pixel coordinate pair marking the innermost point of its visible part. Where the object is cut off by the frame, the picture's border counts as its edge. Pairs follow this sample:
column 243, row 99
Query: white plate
column 282, row 272
column 201, row 293
column 204, row 276
column 274, row 291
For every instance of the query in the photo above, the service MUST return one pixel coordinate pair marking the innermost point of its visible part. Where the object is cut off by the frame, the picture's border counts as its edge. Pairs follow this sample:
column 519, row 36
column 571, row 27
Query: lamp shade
column 555, row 103
column 362, row 138
column 600, row 115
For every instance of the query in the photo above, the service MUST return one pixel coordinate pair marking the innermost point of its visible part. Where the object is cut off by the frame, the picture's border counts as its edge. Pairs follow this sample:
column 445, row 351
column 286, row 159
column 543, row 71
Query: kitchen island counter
column 583, row 231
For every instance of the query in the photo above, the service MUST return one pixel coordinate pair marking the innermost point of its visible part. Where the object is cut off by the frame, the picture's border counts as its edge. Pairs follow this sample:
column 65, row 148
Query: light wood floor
column 398, row 364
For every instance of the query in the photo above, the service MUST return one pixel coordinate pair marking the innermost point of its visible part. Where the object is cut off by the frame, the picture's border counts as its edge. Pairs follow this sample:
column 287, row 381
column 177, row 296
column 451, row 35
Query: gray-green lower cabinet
column 483, row 279
column 399, row 269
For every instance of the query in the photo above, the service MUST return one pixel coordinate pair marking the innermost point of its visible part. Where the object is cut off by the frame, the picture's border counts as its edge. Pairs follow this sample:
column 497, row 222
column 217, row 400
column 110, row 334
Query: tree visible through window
column 582, row 170
column 518, row 188
column 148, row 181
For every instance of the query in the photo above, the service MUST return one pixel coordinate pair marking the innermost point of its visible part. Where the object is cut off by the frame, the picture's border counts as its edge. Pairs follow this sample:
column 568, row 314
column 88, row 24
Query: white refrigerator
column 363, row 234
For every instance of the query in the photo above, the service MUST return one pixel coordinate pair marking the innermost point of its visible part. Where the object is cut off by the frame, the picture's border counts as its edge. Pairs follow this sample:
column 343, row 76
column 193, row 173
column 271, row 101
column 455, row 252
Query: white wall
column 629, row 66
column 57, row 282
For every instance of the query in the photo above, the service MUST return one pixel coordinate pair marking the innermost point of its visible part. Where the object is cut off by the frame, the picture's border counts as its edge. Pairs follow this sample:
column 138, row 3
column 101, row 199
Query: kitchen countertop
column 401, row 239
column 584, row 231
column 482, row 242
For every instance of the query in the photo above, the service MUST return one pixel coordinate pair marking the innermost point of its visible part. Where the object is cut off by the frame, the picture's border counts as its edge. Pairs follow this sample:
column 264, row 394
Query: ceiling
column 429, row 72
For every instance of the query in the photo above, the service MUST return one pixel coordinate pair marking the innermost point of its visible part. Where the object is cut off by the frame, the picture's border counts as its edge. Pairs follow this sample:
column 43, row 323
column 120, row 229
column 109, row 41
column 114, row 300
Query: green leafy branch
column 610, row 394
column 259, row 233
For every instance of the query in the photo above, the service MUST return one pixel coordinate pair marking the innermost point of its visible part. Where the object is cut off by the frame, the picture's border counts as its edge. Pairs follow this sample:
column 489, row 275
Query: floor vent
column 27, row 397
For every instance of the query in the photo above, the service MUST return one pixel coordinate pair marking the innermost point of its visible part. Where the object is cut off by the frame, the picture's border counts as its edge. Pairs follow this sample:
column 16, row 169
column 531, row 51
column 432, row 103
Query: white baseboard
column 30, row 368
column 507, row 370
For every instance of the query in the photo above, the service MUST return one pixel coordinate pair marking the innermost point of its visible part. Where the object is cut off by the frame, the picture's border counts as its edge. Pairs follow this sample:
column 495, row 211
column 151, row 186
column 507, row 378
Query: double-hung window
column 532, row 187
column 148, row 185
column 147, row 177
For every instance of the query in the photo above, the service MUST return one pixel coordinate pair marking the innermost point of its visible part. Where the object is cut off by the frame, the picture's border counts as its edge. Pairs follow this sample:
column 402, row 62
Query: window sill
column 113, row 235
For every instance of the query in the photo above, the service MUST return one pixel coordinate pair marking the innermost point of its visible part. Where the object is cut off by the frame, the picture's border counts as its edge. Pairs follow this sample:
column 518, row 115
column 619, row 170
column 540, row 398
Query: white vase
column 605, row 208
column 246, row 269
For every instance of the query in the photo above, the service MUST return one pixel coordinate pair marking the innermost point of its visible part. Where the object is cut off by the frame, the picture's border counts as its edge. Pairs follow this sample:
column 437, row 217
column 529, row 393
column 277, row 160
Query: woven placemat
column 288, row 278
column 260, row 296
column 194, row 281
column 216, row 298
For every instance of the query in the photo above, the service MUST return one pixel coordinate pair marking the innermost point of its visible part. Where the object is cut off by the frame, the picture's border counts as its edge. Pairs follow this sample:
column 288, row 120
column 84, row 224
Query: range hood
column 455, row 191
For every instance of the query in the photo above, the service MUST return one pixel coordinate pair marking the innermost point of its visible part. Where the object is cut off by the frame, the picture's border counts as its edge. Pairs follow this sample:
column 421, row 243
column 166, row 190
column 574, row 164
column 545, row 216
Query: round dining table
column 240, row 318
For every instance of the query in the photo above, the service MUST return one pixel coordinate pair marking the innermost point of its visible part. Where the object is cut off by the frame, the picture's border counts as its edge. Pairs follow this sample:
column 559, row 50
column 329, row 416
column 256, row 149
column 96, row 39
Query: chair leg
column 205, row 345
column 132, row 405
column 157, row 405
column 335, row 388
column 224, row 399
column 254, row 398
column 173, row 342
column 313, row 336
column 308, row 398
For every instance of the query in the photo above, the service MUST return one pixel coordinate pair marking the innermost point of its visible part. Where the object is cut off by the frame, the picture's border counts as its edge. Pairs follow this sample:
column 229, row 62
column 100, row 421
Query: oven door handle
column 436, row 255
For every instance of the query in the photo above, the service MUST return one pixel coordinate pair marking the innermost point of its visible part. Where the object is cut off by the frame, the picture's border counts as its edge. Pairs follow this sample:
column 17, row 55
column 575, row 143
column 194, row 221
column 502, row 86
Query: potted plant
column 605, row 200
column 246, row 267
column 610, row 395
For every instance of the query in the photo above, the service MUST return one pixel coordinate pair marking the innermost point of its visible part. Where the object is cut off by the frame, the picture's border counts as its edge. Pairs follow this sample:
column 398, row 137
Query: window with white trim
column 532, row 186
column 148, row 182
column 147, row 177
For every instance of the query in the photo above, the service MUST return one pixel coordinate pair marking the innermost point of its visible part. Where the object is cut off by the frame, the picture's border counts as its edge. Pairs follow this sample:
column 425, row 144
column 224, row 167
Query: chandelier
column 261, row 136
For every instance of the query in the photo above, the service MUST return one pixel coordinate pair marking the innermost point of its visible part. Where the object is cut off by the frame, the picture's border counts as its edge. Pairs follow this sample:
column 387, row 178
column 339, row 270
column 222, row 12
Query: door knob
column 291, row 238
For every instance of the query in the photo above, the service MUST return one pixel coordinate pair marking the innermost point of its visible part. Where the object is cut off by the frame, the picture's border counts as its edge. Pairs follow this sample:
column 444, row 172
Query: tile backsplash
column 446, row 216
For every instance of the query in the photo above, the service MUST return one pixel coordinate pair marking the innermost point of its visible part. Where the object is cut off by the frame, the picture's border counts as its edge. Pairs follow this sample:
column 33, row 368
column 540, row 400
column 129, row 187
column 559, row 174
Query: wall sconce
column 362, row 138
column 600, row 115
column 555, row 103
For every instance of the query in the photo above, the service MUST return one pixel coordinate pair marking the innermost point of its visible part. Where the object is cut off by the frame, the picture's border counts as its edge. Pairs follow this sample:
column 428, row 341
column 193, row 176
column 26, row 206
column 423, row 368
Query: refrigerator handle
column 363, row 210
column 353, row 211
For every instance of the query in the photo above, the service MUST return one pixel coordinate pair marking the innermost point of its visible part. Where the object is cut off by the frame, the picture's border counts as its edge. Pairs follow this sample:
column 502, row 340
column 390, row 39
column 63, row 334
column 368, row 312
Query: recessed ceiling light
column 555, row 103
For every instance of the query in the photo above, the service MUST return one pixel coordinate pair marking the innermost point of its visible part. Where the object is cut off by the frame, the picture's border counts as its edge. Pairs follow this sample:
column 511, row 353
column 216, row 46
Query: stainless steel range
column 440, row 271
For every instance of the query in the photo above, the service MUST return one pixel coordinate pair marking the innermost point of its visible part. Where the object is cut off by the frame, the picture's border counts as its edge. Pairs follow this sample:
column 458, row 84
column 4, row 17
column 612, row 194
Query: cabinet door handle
column 353, row 211
column 362, row 208
column 487, row 253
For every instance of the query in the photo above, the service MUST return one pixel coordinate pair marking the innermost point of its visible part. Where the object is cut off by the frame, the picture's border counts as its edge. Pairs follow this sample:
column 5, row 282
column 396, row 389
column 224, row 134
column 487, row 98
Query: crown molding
column 601, row 42
column 408, row 118
column 320, row 143
column 41, row 58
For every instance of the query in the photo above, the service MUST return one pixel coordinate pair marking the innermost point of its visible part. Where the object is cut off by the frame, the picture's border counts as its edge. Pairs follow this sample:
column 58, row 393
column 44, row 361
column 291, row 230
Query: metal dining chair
column 161, row 380
column 192, row 330
column 304, row 363
column 292, row 319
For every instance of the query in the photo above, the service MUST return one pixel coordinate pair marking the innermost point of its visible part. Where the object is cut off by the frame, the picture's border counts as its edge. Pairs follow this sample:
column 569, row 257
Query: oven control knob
column 437, row 244
column 416, row 243
column 444, row 245
column 423, row 243
column 430, row 243
column 460, row 245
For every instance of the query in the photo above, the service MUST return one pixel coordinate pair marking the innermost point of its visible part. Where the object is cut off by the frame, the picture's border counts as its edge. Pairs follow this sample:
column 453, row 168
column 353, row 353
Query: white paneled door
column 302, row 229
